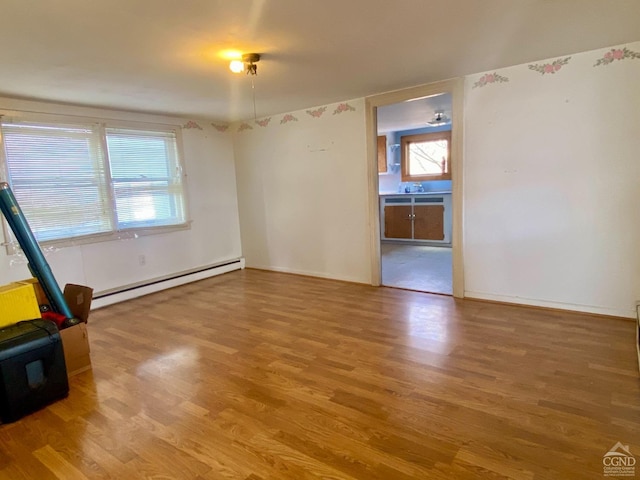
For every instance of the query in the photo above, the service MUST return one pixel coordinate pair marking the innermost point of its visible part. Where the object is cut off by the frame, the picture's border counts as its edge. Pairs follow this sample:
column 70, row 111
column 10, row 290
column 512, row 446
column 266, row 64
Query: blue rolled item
column 37, row 263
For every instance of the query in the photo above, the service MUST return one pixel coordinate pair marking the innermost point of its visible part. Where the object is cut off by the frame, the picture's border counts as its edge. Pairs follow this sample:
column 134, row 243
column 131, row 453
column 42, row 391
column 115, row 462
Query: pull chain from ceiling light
column 248, row 64
column 253, row 91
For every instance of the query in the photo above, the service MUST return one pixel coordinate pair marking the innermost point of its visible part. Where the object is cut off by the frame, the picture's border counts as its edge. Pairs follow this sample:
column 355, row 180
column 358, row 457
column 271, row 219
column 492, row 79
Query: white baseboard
column 102, row 299
column 614, row 312
column 309, row 273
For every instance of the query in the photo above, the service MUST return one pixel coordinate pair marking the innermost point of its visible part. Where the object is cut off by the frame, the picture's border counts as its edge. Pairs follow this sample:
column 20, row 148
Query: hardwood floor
column 258, row 375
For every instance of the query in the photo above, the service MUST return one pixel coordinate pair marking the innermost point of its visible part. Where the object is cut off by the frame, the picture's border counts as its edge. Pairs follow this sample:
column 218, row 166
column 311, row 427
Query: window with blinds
column 74, row 181
column 145, row 177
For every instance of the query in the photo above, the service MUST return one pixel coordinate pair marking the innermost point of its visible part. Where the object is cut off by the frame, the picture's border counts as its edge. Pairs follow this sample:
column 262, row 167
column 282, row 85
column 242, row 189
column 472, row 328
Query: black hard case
column 32, row 369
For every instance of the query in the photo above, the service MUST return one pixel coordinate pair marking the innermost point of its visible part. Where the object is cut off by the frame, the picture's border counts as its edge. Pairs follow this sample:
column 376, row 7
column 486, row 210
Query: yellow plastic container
column 17, row 302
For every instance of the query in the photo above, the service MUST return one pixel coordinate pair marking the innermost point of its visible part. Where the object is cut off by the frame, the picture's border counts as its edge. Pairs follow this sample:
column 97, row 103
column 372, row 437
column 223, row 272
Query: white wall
column 551, row 186
column 302, row 193
column 551, row 194
column 214, row 235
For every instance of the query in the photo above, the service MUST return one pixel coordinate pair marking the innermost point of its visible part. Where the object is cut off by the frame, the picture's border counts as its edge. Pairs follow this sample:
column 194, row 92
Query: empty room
column 295, row 239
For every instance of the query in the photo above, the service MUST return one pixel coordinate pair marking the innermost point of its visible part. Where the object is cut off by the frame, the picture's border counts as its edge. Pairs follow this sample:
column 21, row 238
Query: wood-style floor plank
column 257, row 375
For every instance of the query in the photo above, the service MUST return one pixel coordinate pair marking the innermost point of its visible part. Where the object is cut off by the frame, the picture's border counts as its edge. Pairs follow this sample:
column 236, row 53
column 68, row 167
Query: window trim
column 102, row 124
column 405, row 143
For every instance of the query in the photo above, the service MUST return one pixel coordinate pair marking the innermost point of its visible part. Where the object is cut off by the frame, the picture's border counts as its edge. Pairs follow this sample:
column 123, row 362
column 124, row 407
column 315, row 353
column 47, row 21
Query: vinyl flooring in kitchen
column 417, row 267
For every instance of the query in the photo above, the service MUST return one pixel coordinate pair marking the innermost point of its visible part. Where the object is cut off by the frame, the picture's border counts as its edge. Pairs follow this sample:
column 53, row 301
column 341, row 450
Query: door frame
column 456, row 88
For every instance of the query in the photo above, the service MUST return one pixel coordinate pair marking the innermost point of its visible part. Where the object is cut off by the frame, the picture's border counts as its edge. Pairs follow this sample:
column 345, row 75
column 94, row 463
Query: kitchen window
column 426, row 156
column 87, row 182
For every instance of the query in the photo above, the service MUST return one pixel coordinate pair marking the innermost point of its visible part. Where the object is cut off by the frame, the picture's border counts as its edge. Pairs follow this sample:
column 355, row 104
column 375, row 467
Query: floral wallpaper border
column 343, row 107
column 288, row 118
column 191, row 124
column 553, row 67
column 314, row 113
column 616, row 54
column 317, row 113
column 220, row 127
column 489, row 78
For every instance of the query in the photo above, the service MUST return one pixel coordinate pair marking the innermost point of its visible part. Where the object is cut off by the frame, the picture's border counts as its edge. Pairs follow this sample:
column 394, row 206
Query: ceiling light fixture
column 439, row 118
column 236, row 66
column 247, row 64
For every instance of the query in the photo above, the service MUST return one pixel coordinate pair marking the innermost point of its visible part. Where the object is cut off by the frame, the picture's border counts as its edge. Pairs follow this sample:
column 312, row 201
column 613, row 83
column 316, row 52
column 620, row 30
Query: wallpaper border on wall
column 220, row 127
column 551, row 67
column 489, row 78
column 343, row 107
column 191, row 125
column 288, row 118
column 616, row 54
column 314, row 113
column 317, row 113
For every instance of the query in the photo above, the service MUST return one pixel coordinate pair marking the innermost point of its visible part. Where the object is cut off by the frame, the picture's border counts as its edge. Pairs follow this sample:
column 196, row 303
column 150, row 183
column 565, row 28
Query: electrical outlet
column 142, row 260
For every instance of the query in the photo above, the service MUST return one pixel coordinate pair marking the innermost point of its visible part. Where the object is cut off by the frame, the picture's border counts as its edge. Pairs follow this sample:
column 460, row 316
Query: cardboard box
column 75, row 339
column 17, row 302
column 78, row 298
column 75, row 343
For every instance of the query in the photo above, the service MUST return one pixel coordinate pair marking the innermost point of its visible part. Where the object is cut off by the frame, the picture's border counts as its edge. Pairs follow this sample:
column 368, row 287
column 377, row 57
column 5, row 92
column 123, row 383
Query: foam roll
column 37, row 263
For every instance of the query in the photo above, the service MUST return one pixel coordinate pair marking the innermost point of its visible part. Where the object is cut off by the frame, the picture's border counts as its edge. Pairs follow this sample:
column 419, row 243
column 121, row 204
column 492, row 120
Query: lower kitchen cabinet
column 421, row 217
column 428, row 222
column 397, row 221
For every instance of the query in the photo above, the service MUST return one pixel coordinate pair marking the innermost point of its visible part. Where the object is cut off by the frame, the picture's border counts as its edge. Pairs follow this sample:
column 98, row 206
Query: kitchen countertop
column 395, row 194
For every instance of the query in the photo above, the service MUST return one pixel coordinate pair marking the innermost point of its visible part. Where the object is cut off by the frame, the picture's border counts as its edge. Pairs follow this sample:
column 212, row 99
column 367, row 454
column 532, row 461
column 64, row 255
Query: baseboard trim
column 127, row 292
column 304, row 273
column 529, row 302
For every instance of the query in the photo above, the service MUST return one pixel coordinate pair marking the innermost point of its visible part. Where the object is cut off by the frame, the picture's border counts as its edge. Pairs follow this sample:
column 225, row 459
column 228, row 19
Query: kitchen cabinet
column 397, row 221
column 428, row 222
column 382, row 154
column 424, row 218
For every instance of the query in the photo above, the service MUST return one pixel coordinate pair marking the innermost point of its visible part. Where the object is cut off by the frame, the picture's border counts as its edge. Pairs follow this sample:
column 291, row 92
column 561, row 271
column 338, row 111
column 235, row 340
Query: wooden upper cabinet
column 382, row 154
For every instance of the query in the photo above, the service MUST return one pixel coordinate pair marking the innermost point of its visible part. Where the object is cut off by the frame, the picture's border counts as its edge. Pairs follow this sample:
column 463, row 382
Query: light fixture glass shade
column 236, row 66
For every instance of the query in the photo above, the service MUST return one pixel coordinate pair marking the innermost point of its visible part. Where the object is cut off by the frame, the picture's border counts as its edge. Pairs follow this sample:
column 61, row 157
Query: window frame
column 101, row 124
column 405, row 143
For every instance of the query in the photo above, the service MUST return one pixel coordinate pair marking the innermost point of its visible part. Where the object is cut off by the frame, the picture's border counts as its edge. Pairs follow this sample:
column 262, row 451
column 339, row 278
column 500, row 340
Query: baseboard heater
column 127, row 292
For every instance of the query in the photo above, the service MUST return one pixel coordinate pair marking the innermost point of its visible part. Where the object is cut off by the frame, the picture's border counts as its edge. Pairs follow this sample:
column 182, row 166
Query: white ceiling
column 412, row 114
column 163, row 56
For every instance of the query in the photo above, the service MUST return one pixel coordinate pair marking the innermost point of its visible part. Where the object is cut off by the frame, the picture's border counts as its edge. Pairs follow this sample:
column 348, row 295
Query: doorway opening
column 414, row 178
column 415, row 152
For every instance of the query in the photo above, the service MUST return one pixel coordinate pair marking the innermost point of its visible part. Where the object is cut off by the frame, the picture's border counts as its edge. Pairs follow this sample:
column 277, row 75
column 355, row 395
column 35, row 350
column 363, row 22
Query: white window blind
column 57, row 174
column 69, row 185
column 146, row 178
